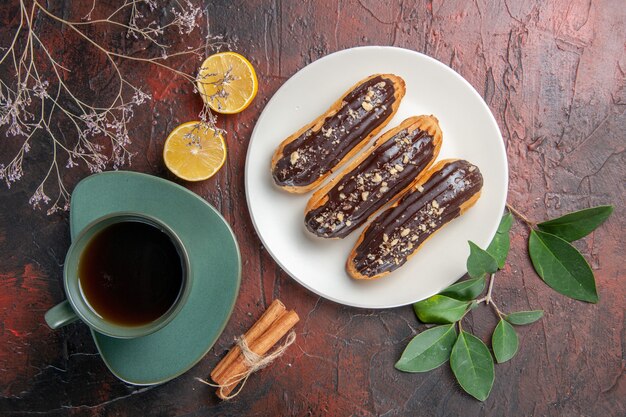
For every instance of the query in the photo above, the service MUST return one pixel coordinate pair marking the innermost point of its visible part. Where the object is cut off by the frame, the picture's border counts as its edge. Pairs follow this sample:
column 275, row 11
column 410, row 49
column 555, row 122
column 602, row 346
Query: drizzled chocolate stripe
column 399, row 231
column 385, row 173
column 317, row 150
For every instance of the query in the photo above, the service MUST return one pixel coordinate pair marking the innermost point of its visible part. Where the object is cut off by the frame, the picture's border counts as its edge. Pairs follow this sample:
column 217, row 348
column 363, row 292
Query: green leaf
column 578, row 224
column 561, row 266
column 524, row 317
column 440, row 309
column 428, row 350
column 480, row 262
column 499, row 246
column 465, row 290
column 472, row 365
column 504, row 341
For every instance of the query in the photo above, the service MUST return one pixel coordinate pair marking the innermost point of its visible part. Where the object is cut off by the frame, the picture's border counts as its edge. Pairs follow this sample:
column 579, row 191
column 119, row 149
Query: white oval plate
column 469, row 131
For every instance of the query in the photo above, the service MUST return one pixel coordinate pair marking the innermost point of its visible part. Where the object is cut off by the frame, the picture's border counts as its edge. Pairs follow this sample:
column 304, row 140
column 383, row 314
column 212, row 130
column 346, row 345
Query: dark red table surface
column 553, row 74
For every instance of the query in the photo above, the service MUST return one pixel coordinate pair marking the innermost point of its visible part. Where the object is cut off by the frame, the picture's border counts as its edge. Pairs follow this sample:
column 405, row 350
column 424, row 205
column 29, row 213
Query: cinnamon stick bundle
column 265, row 333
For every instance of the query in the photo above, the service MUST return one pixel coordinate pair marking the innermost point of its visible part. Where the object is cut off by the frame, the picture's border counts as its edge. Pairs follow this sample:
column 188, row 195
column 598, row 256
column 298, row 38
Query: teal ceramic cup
column 77, row 307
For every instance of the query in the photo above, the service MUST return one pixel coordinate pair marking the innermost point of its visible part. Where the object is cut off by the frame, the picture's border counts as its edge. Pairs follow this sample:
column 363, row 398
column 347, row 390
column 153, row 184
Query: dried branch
column 38, row 100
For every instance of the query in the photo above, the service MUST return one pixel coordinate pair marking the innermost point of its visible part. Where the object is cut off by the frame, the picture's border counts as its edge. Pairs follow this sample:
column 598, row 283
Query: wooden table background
column 553, row 73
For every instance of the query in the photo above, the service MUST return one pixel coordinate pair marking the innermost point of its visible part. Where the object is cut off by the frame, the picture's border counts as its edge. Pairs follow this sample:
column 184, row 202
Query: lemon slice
column 194, row 151
column 227, row 82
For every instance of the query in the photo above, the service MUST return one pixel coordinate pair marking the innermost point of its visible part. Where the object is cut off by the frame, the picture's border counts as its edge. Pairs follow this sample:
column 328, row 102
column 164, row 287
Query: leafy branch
column 39, row 103
column 555, row 260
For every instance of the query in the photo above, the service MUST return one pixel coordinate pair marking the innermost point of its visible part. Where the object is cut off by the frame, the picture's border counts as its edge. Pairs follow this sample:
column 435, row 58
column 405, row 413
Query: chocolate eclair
column 306, row 158
column 383, row 173
column 444, row 193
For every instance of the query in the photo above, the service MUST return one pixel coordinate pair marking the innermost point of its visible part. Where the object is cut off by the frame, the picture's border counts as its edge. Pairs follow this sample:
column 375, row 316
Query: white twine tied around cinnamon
column 253, row 362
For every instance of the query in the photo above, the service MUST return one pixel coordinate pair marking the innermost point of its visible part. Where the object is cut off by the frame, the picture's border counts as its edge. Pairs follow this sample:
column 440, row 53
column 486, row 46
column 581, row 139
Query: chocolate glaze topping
column 314, row 153
column 370, row 185
column 400, row 230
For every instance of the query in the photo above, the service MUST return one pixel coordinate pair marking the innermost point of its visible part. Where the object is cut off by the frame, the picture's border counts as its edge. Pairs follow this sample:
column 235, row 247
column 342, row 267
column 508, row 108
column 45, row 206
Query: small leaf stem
column 487, row 299
column 496, row 309
column 520, row 216
column 491, row 281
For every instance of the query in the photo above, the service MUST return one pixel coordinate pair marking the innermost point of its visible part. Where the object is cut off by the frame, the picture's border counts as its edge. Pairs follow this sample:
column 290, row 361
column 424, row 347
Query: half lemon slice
column 227, row 82
column 194, row 151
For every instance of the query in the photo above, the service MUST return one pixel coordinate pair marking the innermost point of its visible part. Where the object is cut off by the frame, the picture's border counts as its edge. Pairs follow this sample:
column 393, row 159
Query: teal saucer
column 215, row 268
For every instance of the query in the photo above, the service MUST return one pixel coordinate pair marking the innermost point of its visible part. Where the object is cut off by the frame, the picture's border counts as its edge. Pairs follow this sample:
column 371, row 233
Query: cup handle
column 60, row 315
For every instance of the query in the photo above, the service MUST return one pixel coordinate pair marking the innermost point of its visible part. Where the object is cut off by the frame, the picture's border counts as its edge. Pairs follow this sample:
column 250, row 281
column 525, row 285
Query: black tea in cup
column 131, row 273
